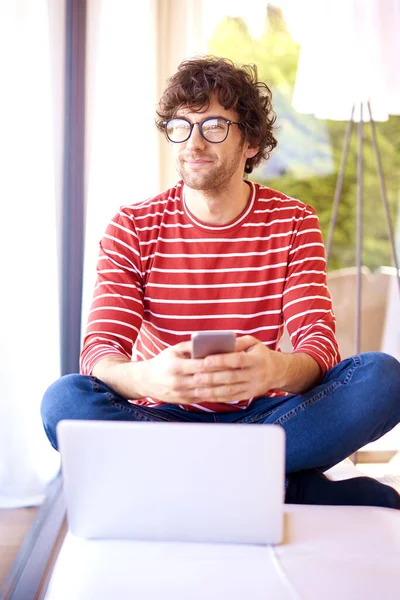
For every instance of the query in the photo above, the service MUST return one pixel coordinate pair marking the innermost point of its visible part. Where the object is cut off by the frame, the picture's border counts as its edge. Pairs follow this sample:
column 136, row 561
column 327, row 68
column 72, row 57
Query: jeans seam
column 138, row 411
column 95, row 383
column 258, row 417
column 351, row 371
column 307, row 403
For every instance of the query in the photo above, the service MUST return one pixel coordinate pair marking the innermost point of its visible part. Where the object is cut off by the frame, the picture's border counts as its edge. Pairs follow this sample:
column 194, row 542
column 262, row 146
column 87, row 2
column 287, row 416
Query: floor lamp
column 338, row 190
column 332, row 77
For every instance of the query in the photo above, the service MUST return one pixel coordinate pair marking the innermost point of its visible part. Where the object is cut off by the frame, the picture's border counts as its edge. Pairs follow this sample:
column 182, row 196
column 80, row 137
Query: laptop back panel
column 174, row 481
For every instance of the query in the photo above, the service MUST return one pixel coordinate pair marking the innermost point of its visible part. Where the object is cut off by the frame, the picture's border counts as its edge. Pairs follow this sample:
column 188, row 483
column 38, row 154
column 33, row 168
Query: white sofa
column 328, row 553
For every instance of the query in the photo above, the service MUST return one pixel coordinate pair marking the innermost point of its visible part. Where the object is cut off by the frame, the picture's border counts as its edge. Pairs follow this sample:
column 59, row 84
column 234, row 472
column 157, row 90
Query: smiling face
column 205, row 166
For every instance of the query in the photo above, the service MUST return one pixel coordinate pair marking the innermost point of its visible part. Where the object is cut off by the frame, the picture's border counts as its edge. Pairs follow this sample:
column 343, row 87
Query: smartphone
column 205, row 343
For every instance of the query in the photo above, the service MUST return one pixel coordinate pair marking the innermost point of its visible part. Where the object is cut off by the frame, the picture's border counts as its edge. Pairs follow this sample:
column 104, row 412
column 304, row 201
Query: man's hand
column 252, row 370
column 169, row 376
column 174, row 377
column 249, row 371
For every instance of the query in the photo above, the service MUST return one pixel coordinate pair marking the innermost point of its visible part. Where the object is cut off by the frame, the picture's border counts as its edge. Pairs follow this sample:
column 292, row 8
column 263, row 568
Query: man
column 219, row 252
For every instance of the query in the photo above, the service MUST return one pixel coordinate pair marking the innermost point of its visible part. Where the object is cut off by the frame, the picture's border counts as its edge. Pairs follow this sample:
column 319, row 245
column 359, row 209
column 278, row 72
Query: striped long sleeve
column 162, row 274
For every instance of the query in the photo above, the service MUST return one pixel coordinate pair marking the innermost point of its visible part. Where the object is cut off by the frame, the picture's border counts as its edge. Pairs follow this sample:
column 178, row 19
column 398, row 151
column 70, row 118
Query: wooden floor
column 14, row 525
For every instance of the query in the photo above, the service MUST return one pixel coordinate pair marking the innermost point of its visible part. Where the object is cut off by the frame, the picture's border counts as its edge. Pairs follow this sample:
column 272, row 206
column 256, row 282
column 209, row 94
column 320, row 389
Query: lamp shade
column 350, row 55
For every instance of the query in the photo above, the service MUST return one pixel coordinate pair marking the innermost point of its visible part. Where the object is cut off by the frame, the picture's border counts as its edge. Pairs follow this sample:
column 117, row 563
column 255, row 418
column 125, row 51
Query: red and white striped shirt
column 162, row 275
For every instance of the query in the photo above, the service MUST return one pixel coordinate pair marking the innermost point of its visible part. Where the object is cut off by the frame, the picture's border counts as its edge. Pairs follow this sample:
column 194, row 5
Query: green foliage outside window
column 310, row 150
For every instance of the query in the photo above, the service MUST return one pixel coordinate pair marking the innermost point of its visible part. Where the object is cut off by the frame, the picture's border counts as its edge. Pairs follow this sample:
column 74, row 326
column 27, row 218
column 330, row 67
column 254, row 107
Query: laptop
column 183, row 482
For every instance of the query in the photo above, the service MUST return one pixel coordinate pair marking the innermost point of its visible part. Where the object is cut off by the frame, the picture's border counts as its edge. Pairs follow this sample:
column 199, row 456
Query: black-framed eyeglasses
column 214, row 130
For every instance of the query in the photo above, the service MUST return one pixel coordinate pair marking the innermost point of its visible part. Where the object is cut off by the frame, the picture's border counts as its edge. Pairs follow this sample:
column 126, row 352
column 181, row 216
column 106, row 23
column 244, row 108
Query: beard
column 213, row 176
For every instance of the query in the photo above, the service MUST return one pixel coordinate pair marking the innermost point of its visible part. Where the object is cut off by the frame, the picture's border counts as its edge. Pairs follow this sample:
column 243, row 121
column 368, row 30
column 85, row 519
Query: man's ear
column 251, row 151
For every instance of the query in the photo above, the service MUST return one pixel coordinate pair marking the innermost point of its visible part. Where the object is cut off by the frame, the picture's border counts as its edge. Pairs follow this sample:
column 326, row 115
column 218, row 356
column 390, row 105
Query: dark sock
column 312, row 487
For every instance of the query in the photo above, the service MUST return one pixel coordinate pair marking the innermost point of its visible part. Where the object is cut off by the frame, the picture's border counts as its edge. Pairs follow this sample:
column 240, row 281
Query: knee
column 59, row 402
column 380, row 386
column 57, row 396
column 383, row 370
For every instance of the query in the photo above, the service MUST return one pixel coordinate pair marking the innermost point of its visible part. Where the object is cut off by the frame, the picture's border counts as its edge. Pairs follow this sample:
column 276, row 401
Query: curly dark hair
column 235, row 87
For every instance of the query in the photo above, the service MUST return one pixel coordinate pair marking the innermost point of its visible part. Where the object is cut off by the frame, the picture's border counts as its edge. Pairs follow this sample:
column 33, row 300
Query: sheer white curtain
column 133, row 47
column 179, row 34
column 29, row 333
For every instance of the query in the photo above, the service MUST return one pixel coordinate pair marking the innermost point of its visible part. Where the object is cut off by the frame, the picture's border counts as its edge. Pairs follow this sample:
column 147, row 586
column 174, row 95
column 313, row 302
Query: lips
column 196, row 161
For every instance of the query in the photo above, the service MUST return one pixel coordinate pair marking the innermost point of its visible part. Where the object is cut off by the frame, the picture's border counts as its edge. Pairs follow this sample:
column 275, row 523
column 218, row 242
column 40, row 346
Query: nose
column 196, row 140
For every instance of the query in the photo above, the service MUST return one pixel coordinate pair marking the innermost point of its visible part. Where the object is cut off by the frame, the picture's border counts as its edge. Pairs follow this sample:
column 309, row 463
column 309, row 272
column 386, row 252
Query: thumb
column 244, row 343
column 183, row 349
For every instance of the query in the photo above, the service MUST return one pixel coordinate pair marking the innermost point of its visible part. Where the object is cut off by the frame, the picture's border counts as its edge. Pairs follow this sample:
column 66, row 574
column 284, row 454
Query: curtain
column 133, row 47
column 179, row 31
column 29, row 348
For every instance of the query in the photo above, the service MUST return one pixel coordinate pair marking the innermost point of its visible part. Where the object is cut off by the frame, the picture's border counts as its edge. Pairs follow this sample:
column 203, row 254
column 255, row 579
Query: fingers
column 234, row 360
column 180, row 361
column 216, row 378
column 217, row 386
column 222, row 386
column 188, row 366
column 222, row 393
column 246, row 342
column 183, row 349
column 216, row 362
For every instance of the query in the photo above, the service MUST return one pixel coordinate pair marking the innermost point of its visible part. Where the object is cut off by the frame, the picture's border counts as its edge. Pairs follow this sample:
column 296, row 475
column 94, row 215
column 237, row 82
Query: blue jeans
column 356, row 402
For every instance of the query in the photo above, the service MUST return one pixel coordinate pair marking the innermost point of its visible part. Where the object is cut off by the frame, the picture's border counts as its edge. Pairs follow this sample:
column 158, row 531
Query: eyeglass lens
column 213, row 130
